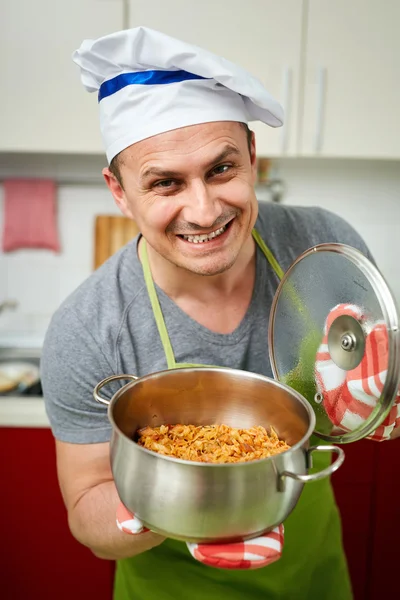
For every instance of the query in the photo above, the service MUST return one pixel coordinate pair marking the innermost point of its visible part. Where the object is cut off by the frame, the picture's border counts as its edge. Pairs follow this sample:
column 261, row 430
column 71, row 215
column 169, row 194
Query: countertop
column 16, row 411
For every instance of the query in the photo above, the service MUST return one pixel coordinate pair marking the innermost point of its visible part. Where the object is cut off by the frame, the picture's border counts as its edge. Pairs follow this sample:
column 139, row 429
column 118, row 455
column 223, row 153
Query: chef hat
column 149, row 83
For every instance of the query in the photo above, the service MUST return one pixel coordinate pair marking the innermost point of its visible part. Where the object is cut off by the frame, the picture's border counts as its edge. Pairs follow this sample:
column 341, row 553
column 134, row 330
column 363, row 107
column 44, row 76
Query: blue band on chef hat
column 143, row 78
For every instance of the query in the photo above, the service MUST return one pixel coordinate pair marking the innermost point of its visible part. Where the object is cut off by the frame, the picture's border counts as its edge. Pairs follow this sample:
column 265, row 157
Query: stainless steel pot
column 201, row 502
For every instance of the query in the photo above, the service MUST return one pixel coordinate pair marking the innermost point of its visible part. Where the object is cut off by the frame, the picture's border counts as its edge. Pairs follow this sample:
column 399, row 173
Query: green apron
column 312, row 566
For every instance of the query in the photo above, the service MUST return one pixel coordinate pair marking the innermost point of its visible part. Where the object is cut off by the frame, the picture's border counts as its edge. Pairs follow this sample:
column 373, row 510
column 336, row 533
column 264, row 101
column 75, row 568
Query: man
column 182, row 164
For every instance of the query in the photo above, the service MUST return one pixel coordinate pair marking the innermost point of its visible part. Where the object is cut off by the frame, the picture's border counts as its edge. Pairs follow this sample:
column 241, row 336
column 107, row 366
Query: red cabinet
column 39, row 558
column 384, row 550
column 367, row 490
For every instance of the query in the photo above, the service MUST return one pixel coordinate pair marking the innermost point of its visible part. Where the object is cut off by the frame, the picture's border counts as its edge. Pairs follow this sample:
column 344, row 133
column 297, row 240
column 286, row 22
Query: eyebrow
column 167, row 174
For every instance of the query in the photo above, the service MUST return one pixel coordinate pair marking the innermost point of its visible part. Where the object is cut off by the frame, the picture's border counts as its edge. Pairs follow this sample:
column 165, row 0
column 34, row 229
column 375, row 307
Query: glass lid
column 334, row 337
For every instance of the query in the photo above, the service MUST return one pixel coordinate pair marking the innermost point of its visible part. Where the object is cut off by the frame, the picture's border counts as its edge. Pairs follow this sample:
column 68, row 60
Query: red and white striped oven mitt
column 250, row 554
column 349, row 397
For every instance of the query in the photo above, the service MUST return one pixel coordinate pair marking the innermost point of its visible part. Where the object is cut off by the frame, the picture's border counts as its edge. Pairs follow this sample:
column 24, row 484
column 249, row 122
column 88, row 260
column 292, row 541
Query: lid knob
column 346, row 342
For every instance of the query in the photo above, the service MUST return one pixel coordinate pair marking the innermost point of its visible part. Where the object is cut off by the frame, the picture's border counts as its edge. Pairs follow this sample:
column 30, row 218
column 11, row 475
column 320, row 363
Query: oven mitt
column 349, row 397
column 250, row 554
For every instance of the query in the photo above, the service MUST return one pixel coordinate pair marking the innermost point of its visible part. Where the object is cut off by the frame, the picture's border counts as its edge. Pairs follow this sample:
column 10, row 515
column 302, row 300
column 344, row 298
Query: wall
column 366, row 193
column 40, row 279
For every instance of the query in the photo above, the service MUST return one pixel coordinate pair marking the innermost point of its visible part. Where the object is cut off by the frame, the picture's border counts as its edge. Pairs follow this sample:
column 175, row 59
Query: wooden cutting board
column 111, row 233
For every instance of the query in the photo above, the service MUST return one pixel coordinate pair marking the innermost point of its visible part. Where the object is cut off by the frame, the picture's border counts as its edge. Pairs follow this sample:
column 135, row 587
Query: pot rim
column 247, row 374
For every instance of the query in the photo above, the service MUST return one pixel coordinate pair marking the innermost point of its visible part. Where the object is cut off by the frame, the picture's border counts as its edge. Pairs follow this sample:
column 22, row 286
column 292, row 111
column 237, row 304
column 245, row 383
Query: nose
column 202, row 207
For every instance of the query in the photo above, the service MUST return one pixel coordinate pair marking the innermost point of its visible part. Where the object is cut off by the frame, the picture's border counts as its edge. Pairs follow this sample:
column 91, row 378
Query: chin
column 208, row 270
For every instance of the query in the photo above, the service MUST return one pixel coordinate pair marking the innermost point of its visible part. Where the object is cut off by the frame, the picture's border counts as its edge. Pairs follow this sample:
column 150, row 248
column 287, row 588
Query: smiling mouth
column 205, row 237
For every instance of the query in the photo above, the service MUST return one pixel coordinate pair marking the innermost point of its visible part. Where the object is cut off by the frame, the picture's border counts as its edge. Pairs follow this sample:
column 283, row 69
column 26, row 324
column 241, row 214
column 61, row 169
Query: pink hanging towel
column 30, row 215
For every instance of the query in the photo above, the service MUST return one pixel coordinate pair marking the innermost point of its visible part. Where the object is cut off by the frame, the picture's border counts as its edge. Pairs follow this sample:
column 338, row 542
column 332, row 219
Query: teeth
column 199, row 239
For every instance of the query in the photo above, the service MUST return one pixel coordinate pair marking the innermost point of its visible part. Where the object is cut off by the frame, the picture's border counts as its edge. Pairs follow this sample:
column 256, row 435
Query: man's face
column 191, row 193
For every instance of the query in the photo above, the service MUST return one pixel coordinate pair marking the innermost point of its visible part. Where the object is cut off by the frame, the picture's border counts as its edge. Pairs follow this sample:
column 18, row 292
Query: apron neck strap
column 267, row 253
column 157, row 312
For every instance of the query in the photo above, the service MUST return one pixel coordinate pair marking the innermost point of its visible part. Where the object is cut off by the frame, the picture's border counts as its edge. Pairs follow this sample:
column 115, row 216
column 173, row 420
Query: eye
column 220, row 169
column 165, row 183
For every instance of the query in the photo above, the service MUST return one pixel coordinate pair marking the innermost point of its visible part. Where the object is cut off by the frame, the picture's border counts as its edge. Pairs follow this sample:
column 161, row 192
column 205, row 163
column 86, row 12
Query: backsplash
column 40, row 279
column 365, row 193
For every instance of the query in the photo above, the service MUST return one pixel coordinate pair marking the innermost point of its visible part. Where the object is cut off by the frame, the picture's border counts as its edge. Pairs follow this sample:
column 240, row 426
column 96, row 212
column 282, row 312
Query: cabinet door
column 39, row 558
column 43, row 105
column 263, row 36
column 352, row 79
column 353, row 485
column 384, row 551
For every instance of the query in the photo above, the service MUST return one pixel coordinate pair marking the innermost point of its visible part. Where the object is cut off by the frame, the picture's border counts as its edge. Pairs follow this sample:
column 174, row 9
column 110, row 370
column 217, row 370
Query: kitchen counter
column 17, row 411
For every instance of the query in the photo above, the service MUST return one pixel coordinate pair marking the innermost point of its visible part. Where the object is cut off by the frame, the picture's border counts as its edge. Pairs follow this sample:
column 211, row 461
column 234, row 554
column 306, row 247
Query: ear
column 118, row 192
column 253, row 157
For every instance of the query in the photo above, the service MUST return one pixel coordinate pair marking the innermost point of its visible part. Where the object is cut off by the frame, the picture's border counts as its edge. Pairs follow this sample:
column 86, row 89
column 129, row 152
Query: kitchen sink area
column 20, row 371
column 21, row 395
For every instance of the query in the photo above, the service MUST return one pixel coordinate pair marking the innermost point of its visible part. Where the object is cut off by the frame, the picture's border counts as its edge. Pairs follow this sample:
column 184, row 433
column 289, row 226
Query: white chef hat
column 149, row 83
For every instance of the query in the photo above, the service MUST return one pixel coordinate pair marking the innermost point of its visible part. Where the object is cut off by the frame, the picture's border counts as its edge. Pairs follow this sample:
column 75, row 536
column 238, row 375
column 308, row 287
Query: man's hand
column 255, row 553
column 91, row 499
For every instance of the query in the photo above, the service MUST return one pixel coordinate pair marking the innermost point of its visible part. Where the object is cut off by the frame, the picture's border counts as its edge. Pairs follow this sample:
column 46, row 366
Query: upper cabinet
column 334, row 66
column 43, row 105
column 352, row 79
column 263, row 36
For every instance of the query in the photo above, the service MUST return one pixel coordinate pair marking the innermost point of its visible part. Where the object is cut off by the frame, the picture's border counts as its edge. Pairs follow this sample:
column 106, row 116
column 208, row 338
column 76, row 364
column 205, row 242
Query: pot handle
column 314, row 476
column 104, row 382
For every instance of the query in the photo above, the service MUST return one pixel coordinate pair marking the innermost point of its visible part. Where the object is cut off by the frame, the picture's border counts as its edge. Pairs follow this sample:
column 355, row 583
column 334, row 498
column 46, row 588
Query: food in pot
column 211, row 443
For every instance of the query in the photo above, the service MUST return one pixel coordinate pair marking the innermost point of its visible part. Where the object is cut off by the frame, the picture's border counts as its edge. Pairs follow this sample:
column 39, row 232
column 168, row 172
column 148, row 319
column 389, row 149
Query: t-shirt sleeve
column 72, row 363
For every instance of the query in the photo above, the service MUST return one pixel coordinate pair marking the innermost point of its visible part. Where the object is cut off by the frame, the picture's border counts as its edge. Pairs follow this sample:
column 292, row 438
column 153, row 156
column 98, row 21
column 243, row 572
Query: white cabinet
column 263, row 36
column 335, row 67
column 352, row 79
column 43, row 106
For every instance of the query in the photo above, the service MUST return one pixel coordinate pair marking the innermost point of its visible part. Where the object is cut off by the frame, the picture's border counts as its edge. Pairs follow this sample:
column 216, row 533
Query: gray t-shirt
column 107, row 326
